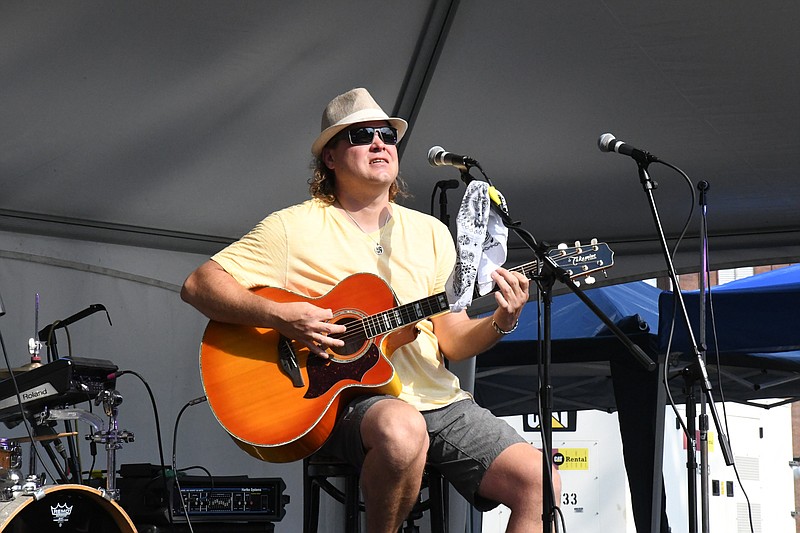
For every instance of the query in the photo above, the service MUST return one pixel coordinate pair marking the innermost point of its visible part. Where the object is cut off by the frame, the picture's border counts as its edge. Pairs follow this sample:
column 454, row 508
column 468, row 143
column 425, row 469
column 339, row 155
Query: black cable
column 672, row 402
column 204, row 469
column 155, row 412
column 691, row 209
column 188, row 404
column 158, row 431
column 718, row 367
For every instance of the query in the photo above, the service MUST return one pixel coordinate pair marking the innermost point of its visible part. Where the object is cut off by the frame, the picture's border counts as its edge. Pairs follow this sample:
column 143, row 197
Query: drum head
column 64, row 509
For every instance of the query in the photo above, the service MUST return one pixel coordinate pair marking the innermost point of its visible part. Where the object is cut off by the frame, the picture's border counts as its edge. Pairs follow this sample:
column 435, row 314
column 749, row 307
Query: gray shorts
column 464, row 440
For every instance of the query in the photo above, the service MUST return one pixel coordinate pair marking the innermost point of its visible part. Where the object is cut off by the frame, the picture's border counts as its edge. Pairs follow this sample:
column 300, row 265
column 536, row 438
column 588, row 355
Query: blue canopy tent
column 759, row 354
column 757, row 341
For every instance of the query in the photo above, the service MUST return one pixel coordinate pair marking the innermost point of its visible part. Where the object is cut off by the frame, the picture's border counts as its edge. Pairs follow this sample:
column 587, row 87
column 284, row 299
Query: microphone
column 608, row 143
column 438, row 157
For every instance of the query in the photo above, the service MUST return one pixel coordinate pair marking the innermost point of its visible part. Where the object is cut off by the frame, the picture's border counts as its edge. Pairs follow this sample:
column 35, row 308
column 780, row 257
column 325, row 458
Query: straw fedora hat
column 352, row 107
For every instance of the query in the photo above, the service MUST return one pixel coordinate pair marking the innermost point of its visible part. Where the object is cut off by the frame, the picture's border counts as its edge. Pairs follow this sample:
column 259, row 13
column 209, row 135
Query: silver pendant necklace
column 378, row 246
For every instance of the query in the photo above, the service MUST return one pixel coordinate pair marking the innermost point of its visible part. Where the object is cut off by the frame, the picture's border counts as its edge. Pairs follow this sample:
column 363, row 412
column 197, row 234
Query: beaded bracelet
column 501, row 331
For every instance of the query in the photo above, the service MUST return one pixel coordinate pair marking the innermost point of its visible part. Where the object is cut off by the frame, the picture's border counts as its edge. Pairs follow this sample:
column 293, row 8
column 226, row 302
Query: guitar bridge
column 288, row 362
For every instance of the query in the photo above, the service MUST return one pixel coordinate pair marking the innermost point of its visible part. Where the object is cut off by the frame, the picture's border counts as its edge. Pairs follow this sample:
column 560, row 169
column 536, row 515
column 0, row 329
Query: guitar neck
column 404, row 315
column 578, row 261
column 528, row 269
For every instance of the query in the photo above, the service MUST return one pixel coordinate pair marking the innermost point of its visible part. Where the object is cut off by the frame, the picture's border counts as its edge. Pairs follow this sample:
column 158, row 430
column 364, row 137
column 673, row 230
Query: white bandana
column 481, row 240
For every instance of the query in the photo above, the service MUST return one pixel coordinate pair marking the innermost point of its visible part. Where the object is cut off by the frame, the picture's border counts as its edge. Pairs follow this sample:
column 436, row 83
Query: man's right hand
column 309, row 324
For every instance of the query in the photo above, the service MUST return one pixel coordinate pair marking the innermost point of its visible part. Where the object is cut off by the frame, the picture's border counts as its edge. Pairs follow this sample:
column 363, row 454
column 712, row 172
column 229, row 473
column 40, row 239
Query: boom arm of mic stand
column 648, row 186
column 94, row 308
column 563, row 276
column 46, row 334
column 636, row 351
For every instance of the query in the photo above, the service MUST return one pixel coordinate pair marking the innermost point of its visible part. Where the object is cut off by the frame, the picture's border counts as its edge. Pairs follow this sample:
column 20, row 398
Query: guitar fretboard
column 527, row 270
column 404, row 315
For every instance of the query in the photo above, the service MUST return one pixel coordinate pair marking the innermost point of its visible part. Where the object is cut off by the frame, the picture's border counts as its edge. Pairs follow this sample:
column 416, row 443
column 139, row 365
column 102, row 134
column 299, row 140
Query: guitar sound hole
column 354, row 338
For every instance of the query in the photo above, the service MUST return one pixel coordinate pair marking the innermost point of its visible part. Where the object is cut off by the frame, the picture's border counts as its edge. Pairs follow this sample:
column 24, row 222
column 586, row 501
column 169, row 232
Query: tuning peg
column 589, row 280
column 577, row 244
column 562, row 246
column 593, row 241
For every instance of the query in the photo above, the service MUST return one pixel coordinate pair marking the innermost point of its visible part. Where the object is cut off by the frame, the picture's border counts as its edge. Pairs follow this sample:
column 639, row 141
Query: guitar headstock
column 581, row 260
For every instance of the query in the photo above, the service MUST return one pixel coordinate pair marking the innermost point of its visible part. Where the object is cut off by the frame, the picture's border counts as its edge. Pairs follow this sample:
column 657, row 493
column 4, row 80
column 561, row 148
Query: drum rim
column 119, row 515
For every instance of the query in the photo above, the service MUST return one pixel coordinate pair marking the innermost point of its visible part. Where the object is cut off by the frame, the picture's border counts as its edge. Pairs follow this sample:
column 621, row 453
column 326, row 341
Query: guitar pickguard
column 325, row 373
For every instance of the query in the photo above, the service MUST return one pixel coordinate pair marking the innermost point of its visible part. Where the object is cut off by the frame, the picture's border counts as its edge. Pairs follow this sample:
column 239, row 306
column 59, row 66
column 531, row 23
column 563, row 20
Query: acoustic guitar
column 280, row 405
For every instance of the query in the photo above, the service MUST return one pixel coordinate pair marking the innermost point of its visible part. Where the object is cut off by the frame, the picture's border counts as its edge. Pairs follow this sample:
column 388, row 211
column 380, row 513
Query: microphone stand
column 696, row 371
column 550, row 272
column 442, row 187
column 47, row 337
column 690, row 376
column 703, row 187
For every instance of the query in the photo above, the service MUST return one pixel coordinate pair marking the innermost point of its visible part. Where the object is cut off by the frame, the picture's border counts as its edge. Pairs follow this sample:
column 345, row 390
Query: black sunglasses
column 366, row 134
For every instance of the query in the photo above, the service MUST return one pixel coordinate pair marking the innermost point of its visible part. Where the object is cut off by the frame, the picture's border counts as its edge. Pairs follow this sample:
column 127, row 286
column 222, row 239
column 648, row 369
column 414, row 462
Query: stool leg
column 310, row 501
column 437, row 495
column 313, row 522
column 351, row 507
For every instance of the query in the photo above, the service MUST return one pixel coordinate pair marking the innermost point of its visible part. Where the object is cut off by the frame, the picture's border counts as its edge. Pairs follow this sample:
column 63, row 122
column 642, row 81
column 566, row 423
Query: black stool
column 318, row 468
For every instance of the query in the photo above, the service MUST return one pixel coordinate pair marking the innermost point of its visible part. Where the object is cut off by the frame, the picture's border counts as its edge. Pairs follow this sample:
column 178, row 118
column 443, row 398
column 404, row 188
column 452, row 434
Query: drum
column 64, row 509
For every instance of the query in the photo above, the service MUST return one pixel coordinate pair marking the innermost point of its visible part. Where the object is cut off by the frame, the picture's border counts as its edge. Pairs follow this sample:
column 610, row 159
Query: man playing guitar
column 352, row 226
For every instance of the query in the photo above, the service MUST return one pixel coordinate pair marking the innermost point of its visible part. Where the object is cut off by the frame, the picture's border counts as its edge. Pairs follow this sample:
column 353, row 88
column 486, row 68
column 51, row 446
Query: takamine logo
column 584, row 258
column 61, row 513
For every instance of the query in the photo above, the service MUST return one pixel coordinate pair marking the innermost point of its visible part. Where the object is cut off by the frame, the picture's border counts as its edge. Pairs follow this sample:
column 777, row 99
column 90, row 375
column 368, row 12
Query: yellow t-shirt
column 310, row 247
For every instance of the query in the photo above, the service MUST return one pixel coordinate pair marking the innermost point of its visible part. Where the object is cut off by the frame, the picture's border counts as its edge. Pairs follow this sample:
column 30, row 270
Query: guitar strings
column 376, row 323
